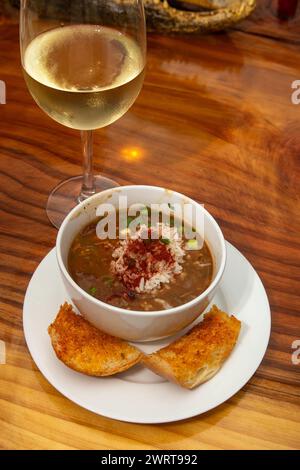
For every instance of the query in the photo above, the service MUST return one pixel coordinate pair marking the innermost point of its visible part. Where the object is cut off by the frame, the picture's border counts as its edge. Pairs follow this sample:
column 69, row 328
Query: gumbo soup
column 152, row 269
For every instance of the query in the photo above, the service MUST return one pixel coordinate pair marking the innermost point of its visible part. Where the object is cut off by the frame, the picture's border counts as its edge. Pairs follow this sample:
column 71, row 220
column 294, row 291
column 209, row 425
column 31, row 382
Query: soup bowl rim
column 77, row 209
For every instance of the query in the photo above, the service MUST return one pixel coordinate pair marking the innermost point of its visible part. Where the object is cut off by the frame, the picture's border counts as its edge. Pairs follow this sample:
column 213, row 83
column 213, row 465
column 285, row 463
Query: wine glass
column 83, row 63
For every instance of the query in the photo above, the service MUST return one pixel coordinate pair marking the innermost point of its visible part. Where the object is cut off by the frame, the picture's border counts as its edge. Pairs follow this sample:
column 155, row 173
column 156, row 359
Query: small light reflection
column 132, row 154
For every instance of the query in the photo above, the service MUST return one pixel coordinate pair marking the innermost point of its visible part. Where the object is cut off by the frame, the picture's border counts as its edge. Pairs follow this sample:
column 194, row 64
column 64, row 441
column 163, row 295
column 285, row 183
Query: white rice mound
column 162, row 272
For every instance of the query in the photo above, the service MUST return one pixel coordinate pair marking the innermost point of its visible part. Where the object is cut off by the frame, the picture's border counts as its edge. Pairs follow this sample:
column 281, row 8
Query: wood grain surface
column 215, row 121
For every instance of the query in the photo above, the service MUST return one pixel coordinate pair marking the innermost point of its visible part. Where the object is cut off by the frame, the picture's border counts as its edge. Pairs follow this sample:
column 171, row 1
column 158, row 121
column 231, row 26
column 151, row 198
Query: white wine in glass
column 83, row 63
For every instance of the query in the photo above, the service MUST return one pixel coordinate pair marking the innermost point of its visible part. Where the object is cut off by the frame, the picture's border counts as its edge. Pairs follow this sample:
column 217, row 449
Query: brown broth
column 89, row 265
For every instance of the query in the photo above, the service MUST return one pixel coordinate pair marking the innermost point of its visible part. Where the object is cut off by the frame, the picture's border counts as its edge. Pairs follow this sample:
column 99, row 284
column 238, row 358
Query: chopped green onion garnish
column 166, row 241
column 93, row 290
column 129, row 220
column 144, row 211
column 192, row 245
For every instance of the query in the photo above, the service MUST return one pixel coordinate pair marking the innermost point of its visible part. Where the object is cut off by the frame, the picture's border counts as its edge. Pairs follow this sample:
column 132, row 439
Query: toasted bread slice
column 198, row 355
column 86, row 349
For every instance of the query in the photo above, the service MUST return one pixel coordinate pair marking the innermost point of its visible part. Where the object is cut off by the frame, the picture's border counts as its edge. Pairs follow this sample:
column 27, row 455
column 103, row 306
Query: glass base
column 65, row 196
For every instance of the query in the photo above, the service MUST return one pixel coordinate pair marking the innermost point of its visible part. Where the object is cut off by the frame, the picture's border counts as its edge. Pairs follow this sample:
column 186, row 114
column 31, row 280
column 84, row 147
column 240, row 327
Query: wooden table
column 215, row 121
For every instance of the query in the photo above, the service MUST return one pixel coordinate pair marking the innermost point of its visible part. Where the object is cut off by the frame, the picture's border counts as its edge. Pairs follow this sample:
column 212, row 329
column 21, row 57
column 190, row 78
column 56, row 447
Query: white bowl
column 128, row 324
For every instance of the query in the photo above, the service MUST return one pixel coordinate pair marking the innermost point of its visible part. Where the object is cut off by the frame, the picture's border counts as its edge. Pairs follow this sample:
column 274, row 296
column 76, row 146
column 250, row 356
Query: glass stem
column 88, row 185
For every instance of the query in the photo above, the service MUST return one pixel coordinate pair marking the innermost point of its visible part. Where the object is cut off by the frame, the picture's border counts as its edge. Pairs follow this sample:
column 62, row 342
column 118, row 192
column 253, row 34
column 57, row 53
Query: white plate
column 139, row 395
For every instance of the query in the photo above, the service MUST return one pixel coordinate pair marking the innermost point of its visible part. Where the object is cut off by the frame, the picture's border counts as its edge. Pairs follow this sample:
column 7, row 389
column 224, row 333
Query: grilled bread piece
column 86, row 349
column 198, row 355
